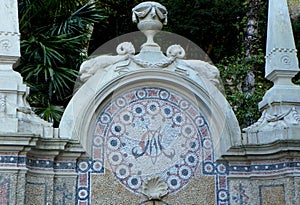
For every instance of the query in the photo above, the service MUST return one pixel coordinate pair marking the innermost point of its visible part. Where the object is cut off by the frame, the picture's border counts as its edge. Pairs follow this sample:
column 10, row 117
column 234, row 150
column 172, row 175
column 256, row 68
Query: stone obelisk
column 281, row 56
column 280, row 106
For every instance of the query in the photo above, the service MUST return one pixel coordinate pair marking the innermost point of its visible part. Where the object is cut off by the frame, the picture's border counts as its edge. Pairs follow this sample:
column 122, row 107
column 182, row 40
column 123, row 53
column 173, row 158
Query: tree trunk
column 251, row 41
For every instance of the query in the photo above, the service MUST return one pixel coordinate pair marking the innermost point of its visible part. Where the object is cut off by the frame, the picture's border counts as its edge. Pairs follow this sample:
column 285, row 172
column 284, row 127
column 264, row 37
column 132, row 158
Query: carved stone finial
column 150, row 16
column 149, row 10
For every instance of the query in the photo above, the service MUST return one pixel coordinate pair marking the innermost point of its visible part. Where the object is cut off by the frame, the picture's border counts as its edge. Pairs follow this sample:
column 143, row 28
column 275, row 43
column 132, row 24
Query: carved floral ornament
column 5, row 45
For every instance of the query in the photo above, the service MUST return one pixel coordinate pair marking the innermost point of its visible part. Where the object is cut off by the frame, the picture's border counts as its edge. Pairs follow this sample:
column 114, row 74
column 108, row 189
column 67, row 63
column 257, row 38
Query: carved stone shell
column 155, row 188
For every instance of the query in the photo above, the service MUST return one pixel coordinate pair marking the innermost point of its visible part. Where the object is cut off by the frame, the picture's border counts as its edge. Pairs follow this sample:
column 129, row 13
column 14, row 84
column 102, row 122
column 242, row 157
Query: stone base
column 281, row 94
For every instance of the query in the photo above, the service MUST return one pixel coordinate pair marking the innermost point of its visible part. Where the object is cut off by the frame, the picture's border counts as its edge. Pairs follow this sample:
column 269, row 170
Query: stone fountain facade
column 151, row 128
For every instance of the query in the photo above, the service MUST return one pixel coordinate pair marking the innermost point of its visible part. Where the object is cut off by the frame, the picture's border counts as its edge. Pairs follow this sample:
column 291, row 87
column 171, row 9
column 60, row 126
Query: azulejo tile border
column 265, row 167
column 12, row 160
column 23, row 161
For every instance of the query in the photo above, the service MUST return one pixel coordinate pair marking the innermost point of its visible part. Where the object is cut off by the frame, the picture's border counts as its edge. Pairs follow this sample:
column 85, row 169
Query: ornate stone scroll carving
column 125, row 48
column 281, row 120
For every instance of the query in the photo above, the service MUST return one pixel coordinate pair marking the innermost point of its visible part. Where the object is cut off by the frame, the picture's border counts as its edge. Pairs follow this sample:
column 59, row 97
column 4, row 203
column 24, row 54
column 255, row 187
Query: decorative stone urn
column 150, row 17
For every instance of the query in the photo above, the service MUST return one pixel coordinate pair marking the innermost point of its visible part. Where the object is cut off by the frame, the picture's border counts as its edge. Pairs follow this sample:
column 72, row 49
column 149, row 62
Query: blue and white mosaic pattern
column 152, row 131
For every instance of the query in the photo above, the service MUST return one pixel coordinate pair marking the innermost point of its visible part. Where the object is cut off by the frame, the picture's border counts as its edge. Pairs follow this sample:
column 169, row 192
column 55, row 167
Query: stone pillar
column 11, row 86
column 19, row 127
column 13, row 169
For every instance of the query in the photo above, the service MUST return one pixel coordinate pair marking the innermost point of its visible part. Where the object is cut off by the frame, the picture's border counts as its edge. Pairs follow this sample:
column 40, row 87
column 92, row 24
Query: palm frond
column 78, row 21
column 55, row 36
column 51, row 113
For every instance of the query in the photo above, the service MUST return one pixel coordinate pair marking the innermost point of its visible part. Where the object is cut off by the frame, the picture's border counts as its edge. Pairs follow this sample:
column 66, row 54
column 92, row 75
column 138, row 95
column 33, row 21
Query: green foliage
column 54, row 40
column 243, row 93
column 211, row 24
column 233, row 73
column 52, row 113
column 118, row 21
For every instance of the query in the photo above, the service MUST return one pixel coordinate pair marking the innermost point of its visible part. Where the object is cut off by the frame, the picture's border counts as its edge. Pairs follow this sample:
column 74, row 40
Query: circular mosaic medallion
column 152, row 132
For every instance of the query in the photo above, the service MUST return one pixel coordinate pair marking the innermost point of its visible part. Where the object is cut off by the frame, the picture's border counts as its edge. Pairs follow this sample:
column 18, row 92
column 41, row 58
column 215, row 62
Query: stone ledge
column 17, row 142
column 275, row 150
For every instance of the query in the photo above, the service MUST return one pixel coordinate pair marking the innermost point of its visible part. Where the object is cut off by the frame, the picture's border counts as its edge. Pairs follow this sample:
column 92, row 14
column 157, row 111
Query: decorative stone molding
column 282, row 58
column 281, row 50
column 8, row 33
